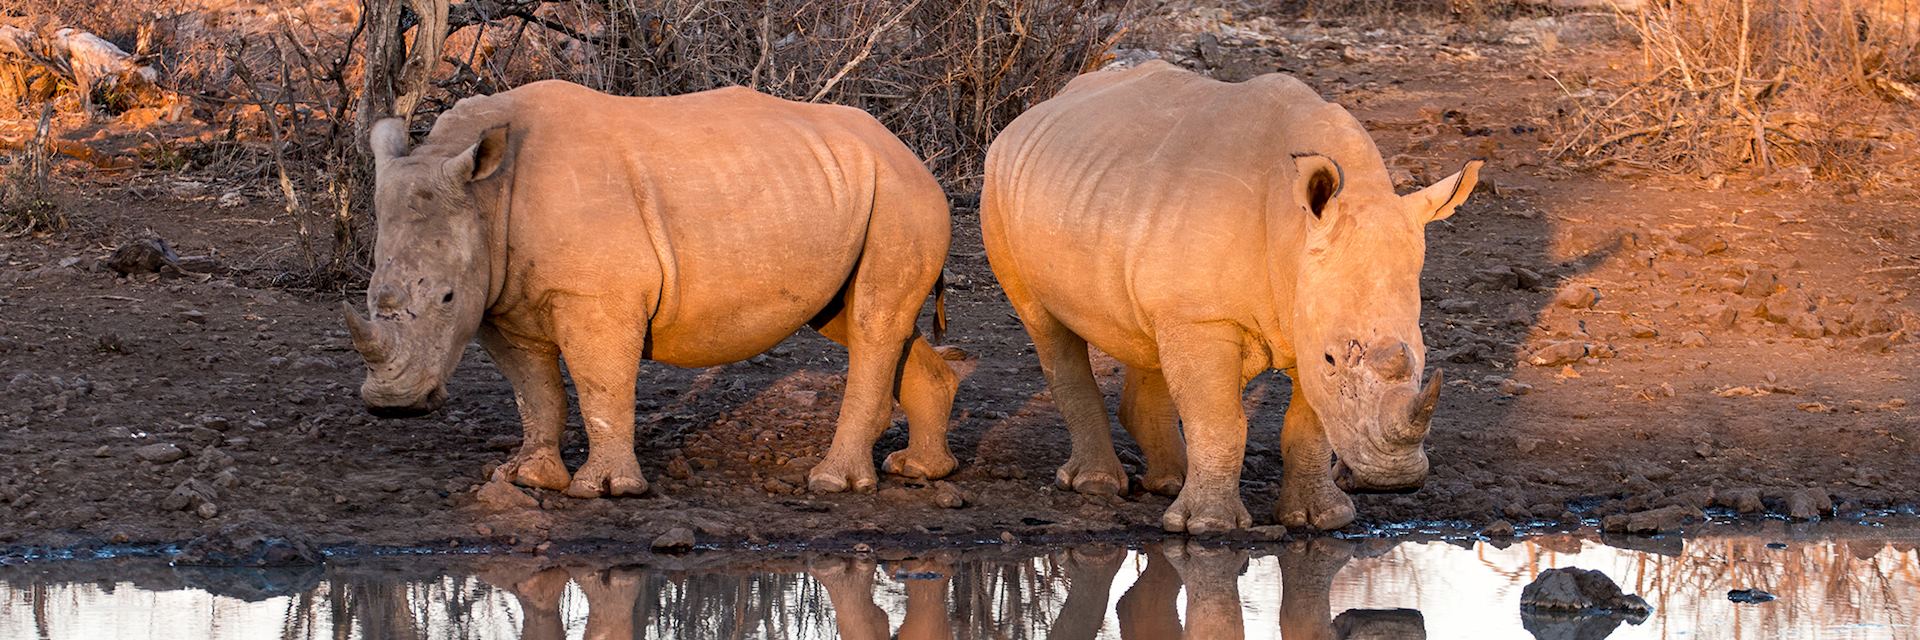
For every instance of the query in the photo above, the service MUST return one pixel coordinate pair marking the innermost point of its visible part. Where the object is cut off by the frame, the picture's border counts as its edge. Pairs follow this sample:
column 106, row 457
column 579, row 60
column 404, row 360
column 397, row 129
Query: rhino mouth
column 1400, row 479
column 387, row 409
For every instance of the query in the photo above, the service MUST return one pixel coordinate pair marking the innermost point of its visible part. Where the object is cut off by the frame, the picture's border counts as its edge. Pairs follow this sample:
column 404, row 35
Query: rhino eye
column 446, row 298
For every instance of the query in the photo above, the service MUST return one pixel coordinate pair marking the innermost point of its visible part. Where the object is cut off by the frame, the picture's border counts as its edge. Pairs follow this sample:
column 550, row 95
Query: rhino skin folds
column 1202, row 232
column 552, row 221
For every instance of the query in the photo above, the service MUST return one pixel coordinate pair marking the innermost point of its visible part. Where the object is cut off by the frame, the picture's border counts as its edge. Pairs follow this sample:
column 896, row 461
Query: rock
column 195, row 316
column 948, row 495
column 215, row 423
column 803, row 398
column 315, row 364
column 1750, row 596
column 1661, row 520
column 1745, row 501
column 1693, row 339
column 1514, row 387
column 243, row 546
column 1705, row 239
column 1783, row 307
column 1576, row 296
column 1558, row 353
column 500, row 495
column 206, row 510
column 1719, row 316
column 1526, row 445
column 1498, row 529
column 1759, row 283
column 1528, row 278
column 679, row 468
column 1642, row 331
column 232, row 200
column 146, row 255
column 1457, row 306
column 675, row 540
column 1809, row 504
column 1805, row 324
column 1576, row 590
column 1498, row 278
column 190, row 495
column 160, row 453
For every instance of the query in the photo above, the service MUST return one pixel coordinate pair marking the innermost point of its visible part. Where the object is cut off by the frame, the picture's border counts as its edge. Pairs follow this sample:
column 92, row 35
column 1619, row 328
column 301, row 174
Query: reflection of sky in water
column 1827, row 590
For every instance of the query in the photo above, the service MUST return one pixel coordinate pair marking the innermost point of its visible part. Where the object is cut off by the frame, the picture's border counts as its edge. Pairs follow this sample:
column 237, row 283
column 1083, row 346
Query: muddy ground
column 1750, row 342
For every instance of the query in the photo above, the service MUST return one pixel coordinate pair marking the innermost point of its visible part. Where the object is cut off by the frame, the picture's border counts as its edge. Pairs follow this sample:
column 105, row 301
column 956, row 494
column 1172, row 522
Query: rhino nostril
column 1329, row 358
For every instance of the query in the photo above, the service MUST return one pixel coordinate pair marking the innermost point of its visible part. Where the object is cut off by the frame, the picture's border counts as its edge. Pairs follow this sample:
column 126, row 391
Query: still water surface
column 1862, row 585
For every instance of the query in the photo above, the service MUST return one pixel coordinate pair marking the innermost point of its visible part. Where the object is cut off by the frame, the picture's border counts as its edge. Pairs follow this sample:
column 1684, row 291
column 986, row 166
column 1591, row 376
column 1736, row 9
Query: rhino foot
column 1201, row 566
column 1201, row 514
column 835, row 475
column 603, row 477
column 1102, row 478
column 920, row 464
column 1166, row 484
column 537, row 468
column 1313, row 505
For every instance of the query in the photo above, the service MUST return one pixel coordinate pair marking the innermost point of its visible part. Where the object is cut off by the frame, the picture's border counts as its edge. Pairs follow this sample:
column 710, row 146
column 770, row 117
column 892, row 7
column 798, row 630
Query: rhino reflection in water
column 1201, row 233
column 553, row 221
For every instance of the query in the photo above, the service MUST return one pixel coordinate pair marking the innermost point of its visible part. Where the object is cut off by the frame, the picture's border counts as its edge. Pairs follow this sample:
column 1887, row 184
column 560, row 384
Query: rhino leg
column 611, row 594
column 1203, row 370
column 1308, row 498
column 1090, row 572
column 925, row 393
column 926, row 617
column 541, row 396
column 1146, row 409
column 878, row 326
column 1307, row 570
column 604, row 357
column 1212, row 579
column 1093, row 468
column 849, row 585
column 1151, row 608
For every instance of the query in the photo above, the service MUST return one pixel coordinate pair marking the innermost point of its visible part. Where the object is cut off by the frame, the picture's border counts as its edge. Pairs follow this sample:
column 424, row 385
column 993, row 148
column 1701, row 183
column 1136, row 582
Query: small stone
column 1661, row 520
column 1514, row 387
column 1693, row 339
column 675, row 540
column 1557, row 353
column 1809, row 504
column 206, row 510
column 215, row 423
column 1719, row 316
column 1642, row 331
column 103, row 451
column 1575, row 589
column 194, row 316
column 232, row 200
column 948, row 495
column 1006, row 537
column 1750, row 596
column 500, row 495
column 1528, row 278
column 679, row 468
column 1576, row 296
column 1457, row 306
column 160, row 453
column 1526, row 445
column 803, row 398
column 1498, row 529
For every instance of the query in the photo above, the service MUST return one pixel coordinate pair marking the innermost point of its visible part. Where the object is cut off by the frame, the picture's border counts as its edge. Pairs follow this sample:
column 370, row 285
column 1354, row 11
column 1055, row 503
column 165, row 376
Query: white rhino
column 1202, row 232
column 555, row 221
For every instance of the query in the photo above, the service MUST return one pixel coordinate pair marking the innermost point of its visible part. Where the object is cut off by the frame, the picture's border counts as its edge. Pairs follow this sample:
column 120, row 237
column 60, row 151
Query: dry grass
column 1729, row 85
column 27, row 205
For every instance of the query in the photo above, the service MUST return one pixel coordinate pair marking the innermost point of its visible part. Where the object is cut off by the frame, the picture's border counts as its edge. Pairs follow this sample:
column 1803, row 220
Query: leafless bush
column 26, row 201
column 1731, row 84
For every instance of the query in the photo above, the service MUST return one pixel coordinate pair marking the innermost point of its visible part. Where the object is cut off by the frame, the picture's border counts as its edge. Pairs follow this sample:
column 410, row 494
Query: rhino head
column 1356, row 321
column 433, row 267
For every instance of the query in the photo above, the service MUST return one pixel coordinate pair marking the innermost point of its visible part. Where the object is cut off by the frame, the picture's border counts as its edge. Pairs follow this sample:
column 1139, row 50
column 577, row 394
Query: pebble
column 500, row 495
column 1577, row 296
column 679, row 468
column 1809, row 504
column 1576, row 589
column 1557, row 353
column 1750, row 596
column 1498, row 529
column 948, row 495
column 160, row 453
column 675, row 540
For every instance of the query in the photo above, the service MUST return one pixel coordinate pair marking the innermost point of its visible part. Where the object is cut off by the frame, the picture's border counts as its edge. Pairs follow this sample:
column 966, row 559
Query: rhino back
column 728, row 217
column 1150, row 196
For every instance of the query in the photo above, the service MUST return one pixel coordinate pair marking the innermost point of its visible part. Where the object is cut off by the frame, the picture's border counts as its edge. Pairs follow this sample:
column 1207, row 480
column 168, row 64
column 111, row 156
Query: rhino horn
column 366, row 336
column 1422, row 415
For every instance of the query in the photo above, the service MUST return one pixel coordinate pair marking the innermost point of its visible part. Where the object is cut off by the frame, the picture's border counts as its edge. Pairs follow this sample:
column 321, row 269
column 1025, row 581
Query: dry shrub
column 1807, row 85
column 944, row 75
column 27, row 205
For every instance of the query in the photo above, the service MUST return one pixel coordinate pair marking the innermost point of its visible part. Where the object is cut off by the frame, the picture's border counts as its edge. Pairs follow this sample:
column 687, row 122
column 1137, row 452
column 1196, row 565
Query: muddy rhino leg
column 1093, row 468
column 603, row 355
column 878, row 327
column 541, row 397
column 925, row 393
column 1202, row 364
column 1146, row 409
column 1308, row 498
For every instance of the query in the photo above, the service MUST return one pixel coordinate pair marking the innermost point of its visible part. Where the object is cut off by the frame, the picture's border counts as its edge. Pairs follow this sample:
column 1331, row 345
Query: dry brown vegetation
column 1726, row 85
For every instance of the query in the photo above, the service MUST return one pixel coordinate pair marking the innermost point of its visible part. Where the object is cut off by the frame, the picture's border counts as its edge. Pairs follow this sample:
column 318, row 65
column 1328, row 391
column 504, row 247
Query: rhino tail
column 940, row 307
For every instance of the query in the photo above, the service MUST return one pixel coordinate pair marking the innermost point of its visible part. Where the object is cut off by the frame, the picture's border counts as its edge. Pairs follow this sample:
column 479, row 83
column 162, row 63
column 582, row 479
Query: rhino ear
column 1438, row 200
column 1318, row 179
column 482, row 160
column 388, row 139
